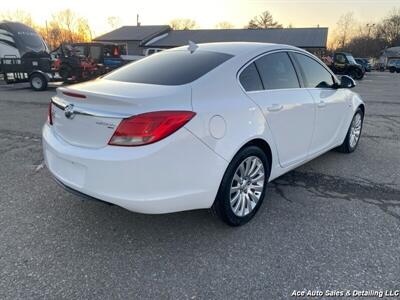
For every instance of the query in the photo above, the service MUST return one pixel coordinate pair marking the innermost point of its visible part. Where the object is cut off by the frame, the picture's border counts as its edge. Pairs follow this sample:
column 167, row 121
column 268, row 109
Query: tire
column 353, row 74
column 392, row 69
column 348, row 145
column 359, row 74
column 356, row 74
column 38, row 82
column 65, row 71
column 253, row 188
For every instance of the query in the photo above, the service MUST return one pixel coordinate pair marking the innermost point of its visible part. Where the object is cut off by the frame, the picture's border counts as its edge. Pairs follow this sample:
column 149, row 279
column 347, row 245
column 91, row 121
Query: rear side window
column 170, row 67
column 250, row 79
column 315, row 75
column 277, row 71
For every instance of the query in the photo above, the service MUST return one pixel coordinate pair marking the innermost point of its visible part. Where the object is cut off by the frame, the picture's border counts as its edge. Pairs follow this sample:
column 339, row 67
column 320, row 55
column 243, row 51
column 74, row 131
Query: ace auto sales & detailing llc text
column 347, row 293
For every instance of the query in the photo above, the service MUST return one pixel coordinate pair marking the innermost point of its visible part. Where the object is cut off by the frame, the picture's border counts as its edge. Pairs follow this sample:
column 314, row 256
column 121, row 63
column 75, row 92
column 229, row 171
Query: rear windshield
column 170, row 67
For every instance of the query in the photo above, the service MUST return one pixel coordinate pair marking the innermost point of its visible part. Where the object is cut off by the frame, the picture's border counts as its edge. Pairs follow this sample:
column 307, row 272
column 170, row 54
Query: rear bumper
column 175, row 174
column 77, row 193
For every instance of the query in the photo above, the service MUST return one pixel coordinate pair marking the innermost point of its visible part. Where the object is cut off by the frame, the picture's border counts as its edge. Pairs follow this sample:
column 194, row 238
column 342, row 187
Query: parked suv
column 393, row 65
column 365, row 63
column 344, row 64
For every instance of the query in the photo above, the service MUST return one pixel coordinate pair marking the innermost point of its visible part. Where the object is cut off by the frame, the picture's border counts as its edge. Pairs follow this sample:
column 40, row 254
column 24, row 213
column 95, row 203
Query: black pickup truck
column 344, row 64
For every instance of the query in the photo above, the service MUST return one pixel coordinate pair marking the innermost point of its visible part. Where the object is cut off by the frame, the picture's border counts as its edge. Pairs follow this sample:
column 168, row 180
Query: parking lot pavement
column 333, row 223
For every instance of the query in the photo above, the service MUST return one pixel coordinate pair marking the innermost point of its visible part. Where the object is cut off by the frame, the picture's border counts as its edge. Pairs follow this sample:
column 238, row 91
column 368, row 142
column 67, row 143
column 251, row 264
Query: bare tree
column 367, row 29
column 18, row 16
column 66, row 20
column 364, row 46
column 185, row 24
column 265, row 20
column 83, row 31
column 345, row 30
column 65, row 26
column 114, row 22
column 224, row 25
column 366, row 39
column 389, row 28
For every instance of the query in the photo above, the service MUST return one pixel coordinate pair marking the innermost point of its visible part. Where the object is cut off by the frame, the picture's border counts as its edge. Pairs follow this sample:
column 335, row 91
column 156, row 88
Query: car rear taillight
column 150, row 127
column 50, row 115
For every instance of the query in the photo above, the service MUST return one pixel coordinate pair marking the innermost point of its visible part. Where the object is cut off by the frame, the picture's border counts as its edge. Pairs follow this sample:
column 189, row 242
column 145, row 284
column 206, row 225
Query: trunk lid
column 91, row 121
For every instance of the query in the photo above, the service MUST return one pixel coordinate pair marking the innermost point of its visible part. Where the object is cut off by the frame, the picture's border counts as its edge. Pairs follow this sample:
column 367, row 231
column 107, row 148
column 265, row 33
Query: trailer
column 25, row 57
column 36, row 71
column 42, row 70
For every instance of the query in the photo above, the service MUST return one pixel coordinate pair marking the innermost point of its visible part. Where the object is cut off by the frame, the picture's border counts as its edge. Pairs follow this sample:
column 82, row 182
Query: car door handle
column 275, row 107
column 321, row 104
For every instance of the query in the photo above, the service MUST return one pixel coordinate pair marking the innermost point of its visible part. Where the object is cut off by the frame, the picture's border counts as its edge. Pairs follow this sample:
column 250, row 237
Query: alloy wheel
column 247, row 186
column 355, row 130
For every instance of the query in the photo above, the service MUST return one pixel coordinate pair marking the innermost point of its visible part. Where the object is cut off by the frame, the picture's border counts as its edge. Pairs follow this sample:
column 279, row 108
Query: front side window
column 340, row 58
column 350, row 58
column 250, row 79
column 170, row 67
column 277, row 71
column 315, row 75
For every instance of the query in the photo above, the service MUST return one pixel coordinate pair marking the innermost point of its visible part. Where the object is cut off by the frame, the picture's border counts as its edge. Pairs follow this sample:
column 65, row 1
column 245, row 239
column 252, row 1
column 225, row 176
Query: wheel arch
column 355, row 67
column 263, row 145
column 39, row 72
column 355, row 101
column 217, row 206
column 362, row 107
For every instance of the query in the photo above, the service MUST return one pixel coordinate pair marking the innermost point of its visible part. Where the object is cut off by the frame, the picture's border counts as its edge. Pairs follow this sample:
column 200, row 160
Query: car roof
column 237, row 48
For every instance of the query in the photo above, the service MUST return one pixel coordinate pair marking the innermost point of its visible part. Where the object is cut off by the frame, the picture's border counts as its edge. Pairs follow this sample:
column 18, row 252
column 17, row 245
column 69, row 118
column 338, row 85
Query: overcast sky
column 207, row 12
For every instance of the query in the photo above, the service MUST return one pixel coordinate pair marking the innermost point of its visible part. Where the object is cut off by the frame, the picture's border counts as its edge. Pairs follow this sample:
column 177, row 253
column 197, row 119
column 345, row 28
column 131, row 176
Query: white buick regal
column 200, row 126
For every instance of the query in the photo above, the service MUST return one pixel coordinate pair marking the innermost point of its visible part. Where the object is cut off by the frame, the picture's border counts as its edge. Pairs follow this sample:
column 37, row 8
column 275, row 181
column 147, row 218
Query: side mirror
column 346, row 82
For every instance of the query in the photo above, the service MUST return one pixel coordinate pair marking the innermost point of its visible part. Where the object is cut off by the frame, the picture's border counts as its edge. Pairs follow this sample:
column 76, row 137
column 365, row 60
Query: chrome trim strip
column 89, row 111
column 56, row 102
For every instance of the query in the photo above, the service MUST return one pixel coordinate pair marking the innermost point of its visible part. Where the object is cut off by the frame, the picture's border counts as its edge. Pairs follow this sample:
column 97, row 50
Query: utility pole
column 369, row 26
column 47, row 34
column 137, row 20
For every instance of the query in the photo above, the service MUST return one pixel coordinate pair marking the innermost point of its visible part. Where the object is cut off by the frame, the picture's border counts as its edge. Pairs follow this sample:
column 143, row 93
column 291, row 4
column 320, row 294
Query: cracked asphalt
column 332, row 224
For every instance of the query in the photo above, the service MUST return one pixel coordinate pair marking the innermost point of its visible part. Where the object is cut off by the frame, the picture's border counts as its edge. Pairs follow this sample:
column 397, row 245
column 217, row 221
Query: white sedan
column 204, row 126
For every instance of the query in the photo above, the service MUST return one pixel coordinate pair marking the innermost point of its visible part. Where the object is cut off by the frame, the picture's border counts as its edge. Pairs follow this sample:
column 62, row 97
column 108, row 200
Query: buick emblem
column 69, row 111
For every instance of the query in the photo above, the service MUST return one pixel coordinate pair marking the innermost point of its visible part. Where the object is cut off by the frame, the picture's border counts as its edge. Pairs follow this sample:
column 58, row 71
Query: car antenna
column 192, row 46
